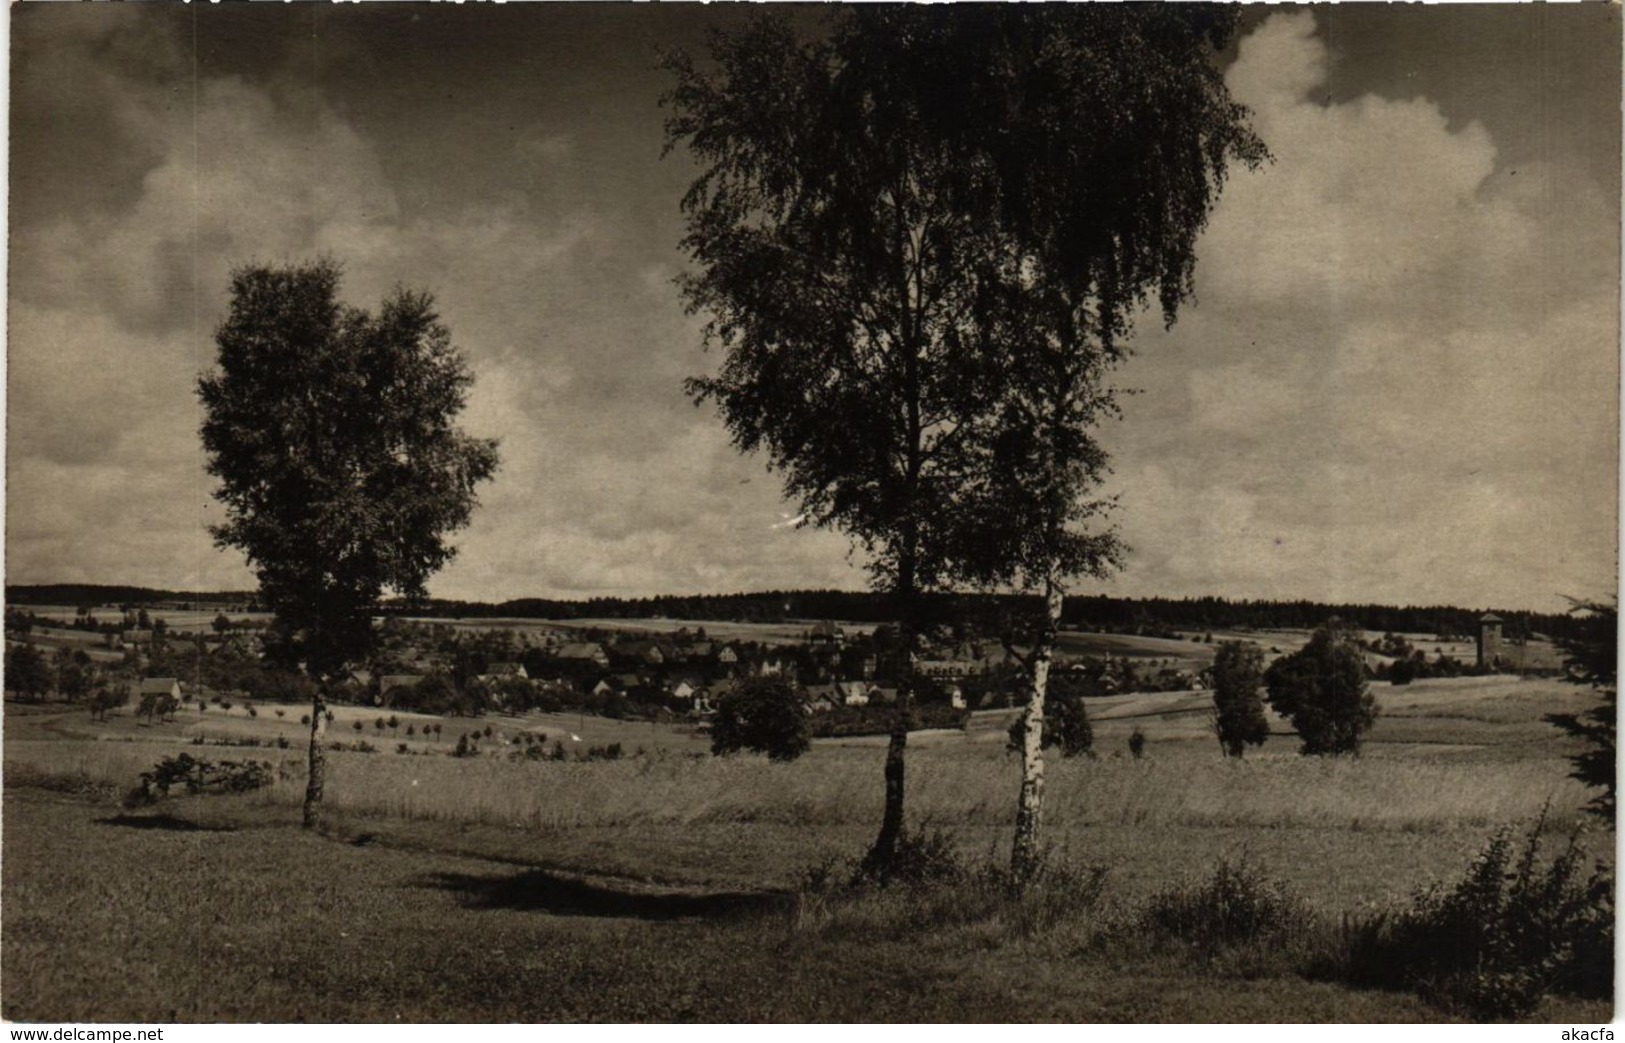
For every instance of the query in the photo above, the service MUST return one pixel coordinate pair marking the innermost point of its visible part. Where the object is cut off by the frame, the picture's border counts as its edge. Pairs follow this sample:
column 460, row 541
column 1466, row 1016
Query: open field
column 462, row 863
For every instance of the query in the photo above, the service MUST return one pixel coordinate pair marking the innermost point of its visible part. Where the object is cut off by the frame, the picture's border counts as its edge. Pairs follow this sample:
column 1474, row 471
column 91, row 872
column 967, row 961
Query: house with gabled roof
column 159, row 686
column 583, row 652
column 648, row 653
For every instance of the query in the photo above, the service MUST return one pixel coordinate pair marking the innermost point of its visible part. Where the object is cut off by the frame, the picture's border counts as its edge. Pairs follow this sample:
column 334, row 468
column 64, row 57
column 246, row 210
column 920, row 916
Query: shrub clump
column 200, row 776
column 1512, row 929
column 922, row 858
column 1236, row 905
column 930, row 887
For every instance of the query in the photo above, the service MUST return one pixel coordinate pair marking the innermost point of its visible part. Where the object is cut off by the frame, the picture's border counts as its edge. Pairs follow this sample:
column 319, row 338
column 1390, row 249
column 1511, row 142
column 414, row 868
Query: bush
column 921, row 858
column 930, row 889
column 1238, row 669
column 1510, row 930
column 1136, row 743
column 201, row 776
column 1066, row 723
column 1234, row 906
column 1403, row 672
column 763, row 715
column 1322, row 690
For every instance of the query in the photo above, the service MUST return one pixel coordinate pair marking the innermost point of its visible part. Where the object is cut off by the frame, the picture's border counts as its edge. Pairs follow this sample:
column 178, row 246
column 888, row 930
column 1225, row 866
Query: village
column 845, row 675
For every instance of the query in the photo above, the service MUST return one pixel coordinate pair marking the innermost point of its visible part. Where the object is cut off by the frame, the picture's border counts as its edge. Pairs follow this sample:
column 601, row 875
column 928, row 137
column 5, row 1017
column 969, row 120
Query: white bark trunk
column 1026, row 853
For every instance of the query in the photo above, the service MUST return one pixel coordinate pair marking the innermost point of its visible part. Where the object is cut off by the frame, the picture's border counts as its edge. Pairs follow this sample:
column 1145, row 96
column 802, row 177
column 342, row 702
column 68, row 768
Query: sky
column 1398, row 382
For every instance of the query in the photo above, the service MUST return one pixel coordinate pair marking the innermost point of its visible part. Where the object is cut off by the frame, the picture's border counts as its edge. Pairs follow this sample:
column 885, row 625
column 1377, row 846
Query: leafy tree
column 1239, row 721
column 107, row 697
column 763, row 715
column 833, row 270
column 75, row 675
column 331, row 431
column 1322, row 689
column 919, row 239
column 1592, row 657
column 1066, row 724
column 27, row 672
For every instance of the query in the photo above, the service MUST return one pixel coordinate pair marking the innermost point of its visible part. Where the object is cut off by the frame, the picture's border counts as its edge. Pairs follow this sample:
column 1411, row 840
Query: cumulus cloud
column 1400, row 379
column 1398, row 383
column 611, row 481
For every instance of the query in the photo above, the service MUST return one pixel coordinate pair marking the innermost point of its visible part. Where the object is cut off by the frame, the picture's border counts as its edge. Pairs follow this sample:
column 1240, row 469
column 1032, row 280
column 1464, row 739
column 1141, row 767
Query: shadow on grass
column 162, row 820
column 538, row 890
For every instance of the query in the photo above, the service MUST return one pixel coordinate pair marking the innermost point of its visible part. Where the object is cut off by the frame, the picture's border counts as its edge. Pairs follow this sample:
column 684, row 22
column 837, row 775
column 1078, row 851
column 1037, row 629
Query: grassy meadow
column 661, row 886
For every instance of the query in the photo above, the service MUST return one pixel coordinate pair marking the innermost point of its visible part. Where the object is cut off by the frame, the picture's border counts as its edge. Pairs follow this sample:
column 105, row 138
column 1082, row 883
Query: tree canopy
column 331, row 431
column 1322, row 689
column 1239, row 721
column 764, row 715
column 834, row 270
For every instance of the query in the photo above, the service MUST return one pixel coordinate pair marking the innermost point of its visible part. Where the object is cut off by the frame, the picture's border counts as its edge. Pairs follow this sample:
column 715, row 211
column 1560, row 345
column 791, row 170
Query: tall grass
column 1183, row 785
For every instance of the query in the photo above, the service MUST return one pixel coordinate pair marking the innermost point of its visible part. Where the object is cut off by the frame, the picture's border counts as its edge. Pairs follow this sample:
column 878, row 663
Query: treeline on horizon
column 1089, row 612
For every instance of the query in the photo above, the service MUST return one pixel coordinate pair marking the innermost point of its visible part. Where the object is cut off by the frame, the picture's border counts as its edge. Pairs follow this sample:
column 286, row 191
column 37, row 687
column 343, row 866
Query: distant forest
column 1088, row 612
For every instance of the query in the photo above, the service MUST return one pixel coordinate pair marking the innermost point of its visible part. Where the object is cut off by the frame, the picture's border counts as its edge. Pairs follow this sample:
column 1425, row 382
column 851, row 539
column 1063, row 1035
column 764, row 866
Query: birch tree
column 840, row 283
column 921, row 239
column 332, row 433
column 1099, row 137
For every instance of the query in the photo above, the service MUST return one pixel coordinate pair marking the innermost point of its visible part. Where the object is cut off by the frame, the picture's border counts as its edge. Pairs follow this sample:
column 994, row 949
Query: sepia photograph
column 556, row 513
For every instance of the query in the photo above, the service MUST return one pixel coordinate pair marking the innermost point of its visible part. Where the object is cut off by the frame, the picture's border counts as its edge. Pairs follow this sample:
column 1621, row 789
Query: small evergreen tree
column 1322, row 690
column 1238, row 669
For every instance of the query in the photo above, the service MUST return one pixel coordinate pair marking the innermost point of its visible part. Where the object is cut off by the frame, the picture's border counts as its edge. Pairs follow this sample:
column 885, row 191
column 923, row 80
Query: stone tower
column 1489, row 639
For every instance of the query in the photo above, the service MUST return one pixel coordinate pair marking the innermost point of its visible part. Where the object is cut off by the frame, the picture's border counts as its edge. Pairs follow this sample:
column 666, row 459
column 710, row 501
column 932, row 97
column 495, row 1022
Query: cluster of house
column 688, row 673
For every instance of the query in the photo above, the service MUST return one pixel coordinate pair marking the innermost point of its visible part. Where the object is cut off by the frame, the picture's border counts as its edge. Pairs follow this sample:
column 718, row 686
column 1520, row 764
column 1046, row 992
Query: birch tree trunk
column 891, row 823
column 879, row 860
column 318, row 757
column 1025, row 854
